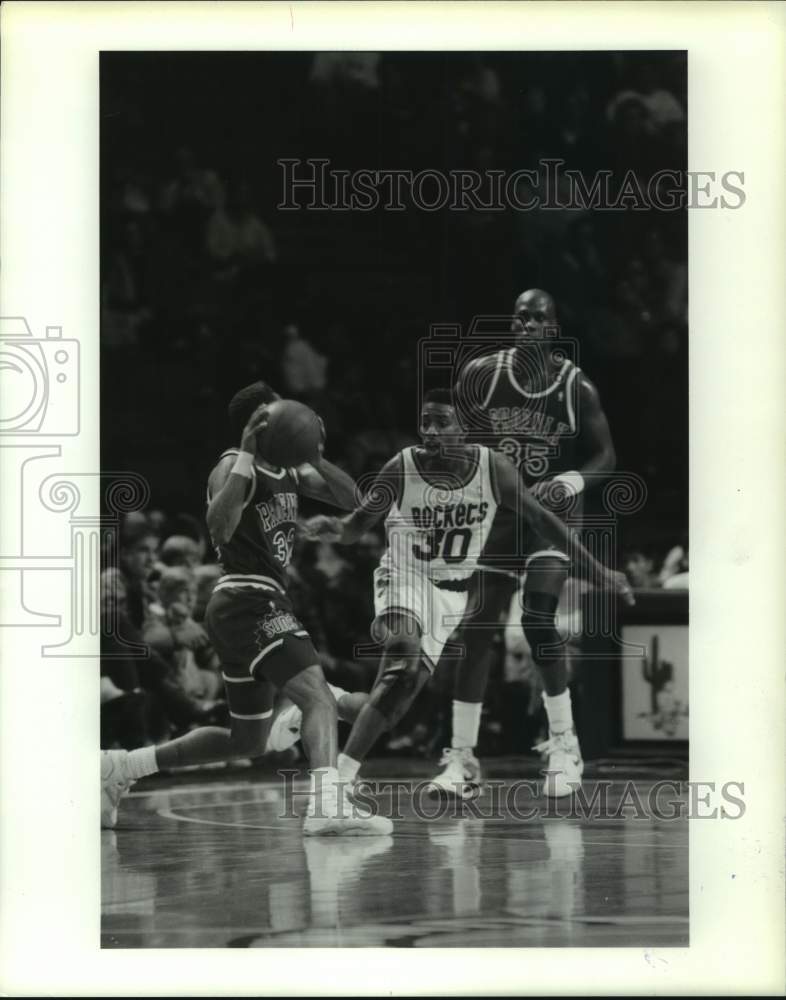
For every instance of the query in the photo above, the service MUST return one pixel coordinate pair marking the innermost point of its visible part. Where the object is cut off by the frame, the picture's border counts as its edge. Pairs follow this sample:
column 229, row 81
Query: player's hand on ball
column 618, row 582
column 256, row 422
column 323, row 528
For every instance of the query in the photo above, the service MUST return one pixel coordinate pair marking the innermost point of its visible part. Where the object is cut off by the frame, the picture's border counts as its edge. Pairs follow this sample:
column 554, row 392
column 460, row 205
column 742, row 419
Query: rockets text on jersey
column 440, row 530
column 537, row 431
column 261, row 546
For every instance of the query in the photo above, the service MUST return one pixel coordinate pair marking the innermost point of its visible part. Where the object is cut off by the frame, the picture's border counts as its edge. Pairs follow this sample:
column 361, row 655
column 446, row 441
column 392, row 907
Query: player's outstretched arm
column 325, row 481
column 321, row 480
column 230, row 482
column 515, row 495
column 384, row 492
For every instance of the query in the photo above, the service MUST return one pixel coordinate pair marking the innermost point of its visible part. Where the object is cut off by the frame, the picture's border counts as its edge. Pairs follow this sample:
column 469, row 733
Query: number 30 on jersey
column 452, row 546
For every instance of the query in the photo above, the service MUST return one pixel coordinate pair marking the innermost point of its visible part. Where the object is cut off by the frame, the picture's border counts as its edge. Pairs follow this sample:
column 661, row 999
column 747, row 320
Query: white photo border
column 49, row 846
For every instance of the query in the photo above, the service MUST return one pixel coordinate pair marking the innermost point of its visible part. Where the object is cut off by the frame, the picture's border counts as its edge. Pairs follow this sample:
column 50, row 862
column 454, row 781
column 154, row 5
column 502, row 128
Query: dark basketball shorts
column 261, row 645
column 512, row 546
column 511, row 550
column 489, row 599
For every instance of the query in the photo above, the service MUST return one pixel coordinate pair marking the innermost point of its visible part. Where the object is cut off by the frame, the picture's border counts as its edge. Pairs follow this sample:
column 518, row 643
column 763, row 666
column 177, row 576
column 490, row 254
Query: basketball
column 430, row 463
column 292, row 436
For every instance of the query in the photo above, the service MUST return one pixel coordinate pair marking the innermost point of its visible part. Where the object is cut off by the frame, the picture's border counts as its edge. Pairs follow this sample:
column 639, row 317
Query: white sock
column 141, row 762
column 559, row 711
column 348, row 767
column 466, row 724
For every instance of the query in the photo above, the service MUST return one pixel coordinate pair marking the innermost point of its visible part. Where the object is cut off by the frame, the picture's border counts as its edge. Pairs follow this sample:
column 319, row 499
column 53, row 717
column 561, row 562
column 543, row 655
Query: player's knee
column 539, row 622
column 394, row 627
column 402, row 645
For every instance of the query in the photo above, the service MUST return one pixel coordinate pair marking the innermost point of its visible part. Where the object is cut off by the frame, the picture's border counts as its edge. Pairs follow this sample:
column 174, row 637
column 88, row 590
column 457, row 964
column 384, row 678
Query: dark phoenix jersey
column 261, row 546
column 536, row 430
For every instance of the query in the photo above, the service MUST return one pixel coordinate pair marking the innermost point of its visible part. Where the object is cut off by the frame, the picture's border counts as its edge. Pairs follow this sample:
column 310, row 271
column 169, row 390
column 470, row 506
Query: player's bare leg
column 460, row 774
column 401, row 676
column 309, row 691
column 207, row 745
column 246, row 738
column 329, row 812
column 349, row 702
column 315, row 703
column 546, row 576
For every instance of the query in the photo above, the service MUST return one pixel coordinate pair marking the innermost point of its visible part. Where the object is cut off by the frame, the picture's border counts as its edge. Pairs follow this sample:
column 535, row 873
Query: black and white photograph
column 386, row 583
column 416, row 325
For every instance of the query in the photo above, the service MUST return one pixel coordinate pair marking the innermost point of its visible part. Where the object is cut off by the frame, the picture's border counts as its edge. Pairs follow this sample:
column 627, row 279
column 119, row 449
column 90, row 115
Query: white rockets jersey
column 440, row 531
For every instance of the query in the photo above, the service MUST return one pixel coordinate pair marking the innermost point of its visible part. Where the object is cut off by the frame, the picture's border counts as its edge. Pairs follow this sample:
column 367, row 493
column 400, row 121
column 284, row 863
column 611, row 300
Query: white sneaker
column 564, row 766
column 284, row 730
column 114, row 785
column 460, row 777
column 341, row 817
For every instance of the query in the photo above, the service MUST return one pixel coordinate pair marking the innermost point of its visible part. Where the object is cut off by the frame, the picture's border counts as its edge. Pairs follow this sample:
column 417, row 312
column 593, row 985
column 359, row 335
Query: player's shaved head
column 533, row 314
column 537, row 300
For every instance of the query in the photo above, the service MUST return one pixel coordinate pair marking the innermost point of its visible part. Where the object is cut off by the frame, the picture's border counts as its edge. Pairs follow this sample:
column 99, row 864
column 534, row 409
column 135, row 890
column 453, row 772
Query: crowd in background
column 206, row 285
column 160, row 676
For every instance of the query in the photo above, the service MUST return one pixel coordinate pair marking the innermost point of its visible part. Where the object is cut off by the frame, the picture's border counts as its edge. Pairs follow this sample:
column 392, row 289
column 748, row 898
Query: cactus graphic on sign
column 666, row 709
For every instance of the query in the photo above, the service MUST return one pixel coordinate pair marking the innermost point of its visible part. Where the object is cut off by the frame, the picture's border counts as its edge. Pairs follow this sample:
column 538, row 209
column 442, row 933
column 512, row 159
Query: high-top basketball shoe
column 564, row 766
column 460, row 776
column 284, row 730
column 115, row 782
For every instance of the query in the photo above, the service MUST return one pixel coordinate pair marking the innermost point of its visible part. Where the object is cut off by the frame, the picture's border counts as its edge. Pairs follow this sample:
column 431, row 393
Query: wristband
column 573, row 480
column 244, row 465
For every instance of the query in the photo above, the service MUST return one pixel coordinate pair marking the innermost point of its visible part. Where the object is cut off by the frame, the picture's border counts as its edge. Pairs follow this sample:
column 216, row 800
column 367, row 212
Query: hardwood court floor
column 209, row 863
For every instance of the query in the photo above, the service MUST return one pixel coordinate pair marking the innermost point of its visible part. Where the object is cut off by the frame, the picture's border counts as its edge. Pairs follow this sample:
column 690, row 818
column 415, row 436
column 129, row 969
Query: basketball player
column 541, row 411
column 439, row 502
column 252, row 515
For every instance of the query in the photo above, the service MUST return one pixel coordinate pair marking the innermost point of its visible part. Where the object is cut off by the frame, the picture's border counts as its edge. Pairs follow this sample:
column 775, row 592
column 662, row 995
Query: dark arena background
column 208, row 284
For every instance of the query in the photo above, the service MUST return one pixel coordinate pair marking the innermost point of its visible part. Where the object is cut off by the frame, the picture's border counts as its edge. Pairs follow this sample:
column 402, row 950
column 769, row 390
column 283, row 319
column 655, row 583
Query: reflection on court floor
column 213, row 865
